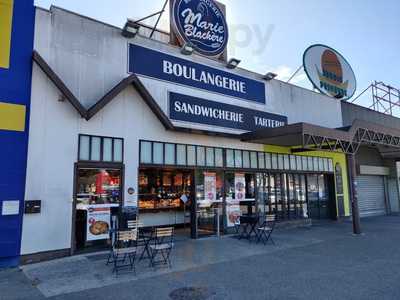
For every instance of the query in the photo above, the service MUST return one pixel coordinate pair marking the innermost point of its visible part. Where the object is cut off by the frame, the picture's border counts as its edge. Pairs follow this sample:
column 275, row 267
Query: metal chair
column 264, row 232
column 124, row 249
column 162, row 243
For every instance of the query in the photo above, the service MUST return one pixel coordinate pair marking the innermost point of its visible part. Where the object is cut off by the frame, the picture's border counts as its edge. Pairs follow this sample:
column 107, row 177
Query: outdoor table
column 249, row 223
column 146, row 235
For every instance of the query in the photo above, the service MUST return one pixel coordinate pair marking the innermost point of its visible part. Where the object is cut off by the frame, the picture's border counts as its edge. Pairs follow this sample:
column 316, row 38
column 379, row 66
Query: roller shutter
column 371, row 196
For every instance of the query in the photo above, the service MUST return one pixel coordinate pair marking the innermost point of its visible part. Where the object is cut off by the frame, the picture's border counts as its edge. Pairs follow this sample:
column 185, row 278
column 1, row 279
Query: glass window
column 201, row 156
column 84, row 147
column 95, row 153
column 320, row 164
column 107, row 149
column 274, row 157
column 316, row 166
column 158, row 153
column 292, row 162
column 330, row 165
column 98, row 186
column 246, row 159
column 170, row 154
column 326, row 165
column 261, row 160
column 298, row 163
column 238, row 159
column 305, row 163
column 191, row 155
column 181, row 155
column 286, row 162
column 230, row 160
column 210, row 157
column 310, row 163
column 118, row 150
column 145, row 152
column 268, row 162
column 281, row 165
column 253, row 160
column 219, row 157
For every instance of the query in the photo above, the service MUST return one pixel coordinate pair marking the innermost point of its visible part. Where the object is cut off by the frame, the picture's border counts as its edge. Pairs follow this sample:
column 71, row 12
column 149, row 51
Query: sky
column 272, row 35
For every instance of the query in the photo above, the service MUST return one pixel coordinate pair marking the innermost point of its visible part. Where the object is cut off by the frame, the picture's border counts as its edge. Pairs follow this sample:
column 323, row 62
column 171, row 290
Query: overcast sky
column 271, row 35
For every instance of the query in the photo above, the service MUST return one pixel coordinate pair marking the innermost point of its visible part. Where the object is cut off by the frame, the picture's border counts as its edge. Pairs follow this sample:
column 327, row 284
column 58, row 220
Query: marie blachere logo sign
column 329, row 72
column 202, row 24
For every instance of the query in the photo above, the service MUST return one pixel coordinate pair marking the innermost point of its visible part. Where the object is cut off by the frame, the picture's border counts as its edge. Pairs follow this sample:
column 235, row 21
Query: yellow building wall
column 339, row 158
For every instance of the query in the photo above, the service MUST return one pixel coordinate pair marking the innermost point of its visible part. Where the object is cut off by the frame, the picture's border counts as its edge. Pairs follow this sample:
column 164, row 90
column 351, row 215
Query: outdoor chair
column 161, row 245
column 124, row 250
column 264, row 232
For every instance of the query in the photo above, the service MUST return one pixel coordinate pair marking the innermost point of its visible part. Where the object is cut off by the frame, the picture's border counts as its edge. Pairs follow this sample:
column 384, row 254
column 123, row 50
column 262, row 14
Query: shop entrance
column 96, row 206
column 320, row 200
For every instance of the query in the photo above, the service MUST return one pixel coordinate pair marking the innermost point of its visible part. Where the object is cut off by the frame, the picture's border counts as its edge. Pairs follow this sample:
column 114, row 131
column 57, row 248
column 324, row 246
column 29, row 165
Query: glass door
column 323, row 197
column 209, row 203
column 313, row 196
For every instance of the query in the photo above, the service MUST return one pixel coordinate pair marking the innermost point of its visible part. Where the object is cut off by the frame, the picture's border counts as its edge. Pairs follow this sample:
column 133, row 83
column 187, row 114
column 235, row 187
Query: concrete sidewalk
column 323, row 262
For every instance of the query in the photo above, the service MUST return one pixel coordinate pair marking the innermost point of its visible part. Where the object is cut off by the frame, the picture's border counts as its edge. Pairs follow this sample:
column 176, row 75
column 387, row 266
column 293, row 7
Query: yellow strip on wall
column 6, row 15
column 12, row 117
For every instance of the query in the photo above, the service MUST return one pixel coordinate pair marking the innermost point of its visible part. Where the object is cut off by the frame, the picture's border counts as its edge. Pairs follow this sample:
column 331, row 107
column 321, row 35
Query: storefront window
column 230, row 158
column 95, row 148
column 210, row 157
column 84, row 147
column 268, row 162
column 169, row 154
column 292, row 162
column 310, row 164
column 238, row 159
column 281, row 164
column 118, row 150
column 316, row 164
column 158, row 153
column 286, row 162
column 219, row 157
column 253, row 160
column 201, row 156
column 304, row 163
column 191, row 155
column 107, row 149
column 181, row 155
column 299, row 166
column 145, row 153
column 261, row 160
column 246, row 159
column 274, row 161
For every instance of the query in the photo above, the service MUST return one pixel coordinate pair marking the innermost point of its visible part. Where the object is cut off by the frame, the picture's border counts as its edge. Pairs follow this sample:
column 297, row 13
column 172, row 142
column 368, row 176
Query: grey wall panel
column 368, row 156
column 393, row 193
column 351, row 112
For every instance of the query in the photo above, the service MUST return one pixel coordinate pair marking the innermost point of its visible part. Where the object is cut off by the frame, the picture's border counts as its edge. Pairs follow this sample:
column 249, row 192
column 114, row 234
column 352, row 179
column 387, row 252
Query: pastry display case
column 162, row 190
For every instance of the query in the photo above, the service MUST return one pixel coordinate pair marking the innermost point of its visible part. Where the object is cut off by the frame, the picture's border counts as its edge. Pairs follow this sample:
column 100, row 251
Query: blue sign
column 155, row 64
column 201, row 111
column 15, row 92
column 202, row 24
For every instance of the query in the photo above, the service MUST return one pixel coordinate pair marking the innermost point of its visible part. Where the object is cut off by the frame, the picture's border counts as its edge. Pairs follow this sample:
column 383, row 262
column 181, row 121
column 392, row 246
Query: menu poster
column 240, row 187
column 98, row 223
column 210, row 187
column 233, row 205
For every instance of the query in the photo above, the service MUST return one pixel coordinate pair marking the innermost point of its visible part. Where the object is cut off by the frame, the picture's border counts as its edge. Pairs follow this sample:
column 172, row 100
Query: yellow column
column 6, row 15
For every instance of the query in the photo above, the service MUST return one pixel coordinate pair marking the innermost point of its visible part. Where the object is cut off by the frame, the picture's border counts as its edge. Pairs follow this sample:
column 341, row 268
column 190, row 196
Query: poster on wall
column 210, row 187
column 98, row 223
column 233, row 205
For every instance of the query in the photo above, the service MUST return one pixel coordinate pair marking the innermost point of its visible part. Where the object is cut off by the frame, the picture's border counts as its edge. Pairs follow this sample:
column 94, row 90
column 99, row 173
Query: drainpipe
column 351, row 163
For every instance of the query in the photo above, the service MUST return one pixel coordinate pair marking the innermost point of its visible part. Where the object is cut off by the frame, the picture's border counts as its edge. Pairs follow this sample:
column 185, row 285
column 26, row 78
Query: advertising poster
column 233, row 205
column 210, row 186
column 98, row 223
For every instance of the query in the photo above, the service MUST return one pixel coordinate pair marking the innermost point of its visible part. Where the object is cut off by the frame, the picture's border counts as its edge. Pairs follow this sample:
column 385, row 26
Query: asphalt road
column 341, row 266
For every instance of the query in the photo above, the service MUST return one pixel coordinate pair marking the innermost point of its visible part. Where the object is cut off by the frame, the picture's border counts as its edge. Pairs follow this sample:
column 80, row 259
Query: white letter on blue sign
column 167, row 67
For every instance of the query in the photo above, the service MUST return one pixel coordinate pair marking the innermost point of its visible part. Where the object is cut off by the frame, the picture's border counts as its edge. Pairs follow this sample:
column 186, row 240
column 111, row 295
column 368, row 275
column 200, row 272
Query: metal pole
column 218, row 226
column 351, row 162
column 159, row 18
column 295, row 73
